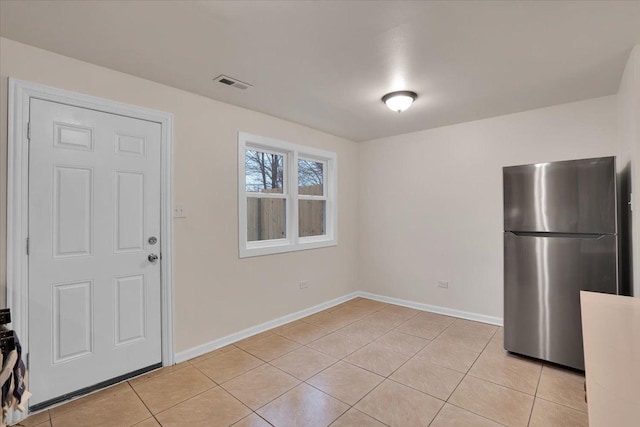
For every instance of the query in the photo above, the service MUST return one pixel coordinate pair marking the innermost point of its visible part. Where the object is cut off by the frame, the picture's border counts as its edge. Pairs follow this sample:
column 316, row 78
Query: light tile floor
column 362, row 363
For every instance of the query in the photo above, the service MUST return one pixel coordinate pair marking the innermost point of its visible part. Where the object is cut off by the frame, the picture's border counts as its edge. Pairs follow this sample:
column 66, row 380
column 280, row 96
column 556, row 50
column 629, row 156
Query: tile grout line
column 344, row 357
column 356, row 409
column 469, row 374
column 409, row 359
column 215, row 384
column 230, row 394
column 235, row 376
column 475, row 413
column 413, row 357
column 535, row 395
column 221, row 385
column 388, row 377
column 500, row 385
column 173, row 371
column 563, row 405
column 437, row 413
column 300, row 383
column 317, row 373
column 262, row 418
column 367, row 394
column 496, row 384
column 283, row 354
column 262, row 406
column 312, row 386
column 465, row 376
column 345, row 361
column 472, row 376
column 182, row 401
column 143, row 402
column 252, row 413
column 286, row 373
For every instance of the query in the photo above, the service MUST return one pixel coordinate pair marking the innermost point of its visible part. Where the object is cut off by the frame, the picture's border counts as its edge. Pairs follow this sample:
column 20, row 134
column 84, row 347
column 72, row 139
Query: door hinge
column 27, row 246
column 29, row 130
column 27, row 359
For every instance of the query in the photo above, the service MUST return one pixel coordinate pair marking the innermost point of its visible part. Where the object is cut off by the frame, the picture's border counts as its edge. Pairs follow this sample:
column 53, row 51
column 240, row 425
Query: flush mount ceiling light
column 400, row 100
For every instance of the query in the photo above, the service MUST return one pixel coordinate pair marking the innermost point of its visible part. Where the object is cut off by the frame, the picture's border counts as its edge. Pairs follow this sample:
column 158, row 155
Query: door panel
column 543, row 279
column 94, row 200
column 72, row 211
column 576, row 196
column 72, row 321
column 130, row 145
column 129, row 211
column 130, row 309
column 67, row 136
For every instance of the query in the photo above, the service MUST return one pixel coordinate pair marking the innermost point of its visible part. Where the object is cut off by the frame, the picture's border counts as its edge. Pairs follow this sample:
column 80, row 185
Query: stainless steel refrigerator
column 559, row 238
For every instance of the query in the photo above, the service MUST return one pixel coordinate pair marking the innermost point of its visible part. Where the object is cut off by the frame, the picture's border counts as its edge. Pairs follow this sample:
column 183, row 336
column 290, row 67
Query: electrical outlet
column 304, row 284
column 179, row 212
column 443, row 284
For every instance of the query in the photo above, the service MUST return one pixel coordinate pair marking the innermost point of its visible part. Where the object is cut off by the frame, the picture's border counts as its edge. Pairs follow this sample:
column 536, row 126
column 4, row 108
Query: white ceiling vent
column 230, row 81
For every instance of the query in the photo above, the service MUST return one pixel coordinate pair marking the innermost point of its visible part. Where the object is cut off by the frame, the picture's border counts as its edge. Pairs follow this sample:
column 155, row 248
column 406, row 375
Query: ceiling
column 327, row 64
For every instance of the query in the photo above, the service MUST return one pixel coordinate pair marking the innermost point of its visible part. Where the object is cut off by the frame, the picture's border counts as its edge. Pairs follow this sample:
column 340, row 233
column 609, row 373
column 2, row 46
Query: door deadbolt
column 153, row 240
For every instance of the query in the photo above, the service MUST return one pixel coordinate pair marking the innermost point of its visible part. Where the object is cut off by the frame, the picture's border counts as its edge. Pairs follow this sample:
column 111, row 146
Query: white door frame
column 20, row 93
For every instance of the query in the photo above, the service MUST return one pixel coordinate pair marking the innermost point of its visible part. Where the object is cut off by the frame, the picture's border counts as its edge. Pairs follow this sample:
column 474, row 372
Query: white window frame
column 291, row 152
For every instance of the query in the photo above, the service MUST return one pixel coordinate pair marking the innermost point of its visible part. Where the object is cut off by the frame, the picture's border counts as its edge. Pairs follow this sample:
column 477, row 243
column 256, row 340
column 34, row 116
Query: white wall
column 629, row 134
column 430, row 204
column 216, row 293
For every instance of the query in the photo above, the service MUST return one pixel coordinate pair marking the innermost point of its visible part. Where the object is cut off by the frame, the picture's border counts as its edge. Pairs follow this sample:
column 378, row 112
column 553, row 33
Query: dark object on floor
column 13, row 375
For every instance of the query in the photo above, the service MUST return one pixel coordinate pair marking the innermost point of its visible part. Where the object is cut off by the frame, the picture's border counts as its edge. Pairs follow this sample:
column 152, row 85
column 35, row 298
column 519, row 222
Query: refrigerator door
column 576, row 196
column 543, row 278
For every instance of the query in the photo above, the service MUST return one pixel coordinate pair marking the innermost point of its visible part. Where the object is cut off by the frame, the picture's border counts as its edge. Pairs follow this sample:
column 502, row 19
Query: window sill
column 284, row 246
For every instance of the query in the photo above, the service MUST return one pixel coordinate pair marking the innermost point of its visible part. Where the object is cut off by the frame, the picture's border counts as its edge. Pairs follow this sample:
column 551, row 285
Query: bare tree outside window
column 264, row 172
column 310, row 177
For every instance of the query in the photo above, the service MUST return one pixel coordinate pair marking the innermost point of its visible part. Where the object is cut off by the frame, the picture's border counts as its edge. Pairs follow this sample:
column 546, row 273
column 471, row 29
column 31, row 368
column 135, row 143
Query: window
column 287, row 196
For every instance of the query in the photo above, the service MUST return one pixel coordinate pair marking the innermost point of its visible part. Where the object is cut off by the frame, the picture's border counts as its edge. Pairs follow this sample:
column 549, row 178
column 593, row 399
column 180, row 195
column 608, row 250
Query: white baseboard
column 230, row 339
column 498, row 321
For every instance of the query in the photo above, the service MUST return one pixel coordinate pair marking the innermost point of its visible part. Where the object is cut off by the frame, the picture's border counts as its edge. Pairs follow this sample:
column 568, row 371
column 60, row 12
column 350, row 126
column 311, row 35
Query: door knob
column 152, row 257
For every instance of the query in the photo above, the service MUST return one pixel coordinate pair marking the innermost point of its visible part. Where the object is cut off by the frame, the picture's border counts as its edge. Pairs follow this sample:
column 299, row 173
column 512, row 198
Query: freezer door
column 543, row 277
column 575, row 196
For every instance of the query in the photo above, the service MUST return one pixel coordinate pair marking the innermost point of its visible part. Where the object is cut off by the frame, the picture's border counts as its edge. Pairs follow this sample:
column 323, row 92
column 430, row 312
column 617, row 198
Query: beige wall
column 629, row 134
column 216, row 293
column 431, row 202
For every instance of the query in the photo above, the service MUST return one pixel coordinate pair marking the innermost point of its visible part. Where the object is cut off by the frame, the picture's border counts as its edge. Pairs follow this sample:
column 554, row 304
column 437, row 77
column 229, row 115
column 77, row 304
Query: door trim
column 20, row 94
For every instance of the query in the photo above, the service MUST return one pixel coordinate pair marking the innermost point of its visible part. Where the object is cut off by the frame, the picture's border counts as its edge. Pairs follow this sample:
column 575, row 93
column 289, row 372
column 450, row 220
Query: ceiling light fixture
column 400, row 100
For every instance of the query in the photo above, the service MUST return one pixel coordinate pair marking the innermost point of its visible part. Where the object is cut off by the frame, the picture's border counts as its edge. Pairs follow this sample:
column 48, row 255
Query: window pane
column 311, row 217
column 266, row 219
column 264, row 172
column 310, row 178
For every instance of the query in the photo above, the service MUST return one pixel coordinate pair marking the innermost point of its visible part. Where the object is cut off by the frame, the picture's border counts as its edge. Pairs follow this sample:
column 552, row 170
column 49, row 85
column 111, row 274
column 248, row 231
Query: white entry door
column 94, row 226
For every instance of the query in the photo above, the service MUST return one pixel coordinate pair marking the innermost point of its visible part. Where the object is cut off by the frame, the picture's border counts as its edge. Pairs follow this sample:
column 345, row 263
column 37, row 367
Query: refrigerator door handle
column 563, row 235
